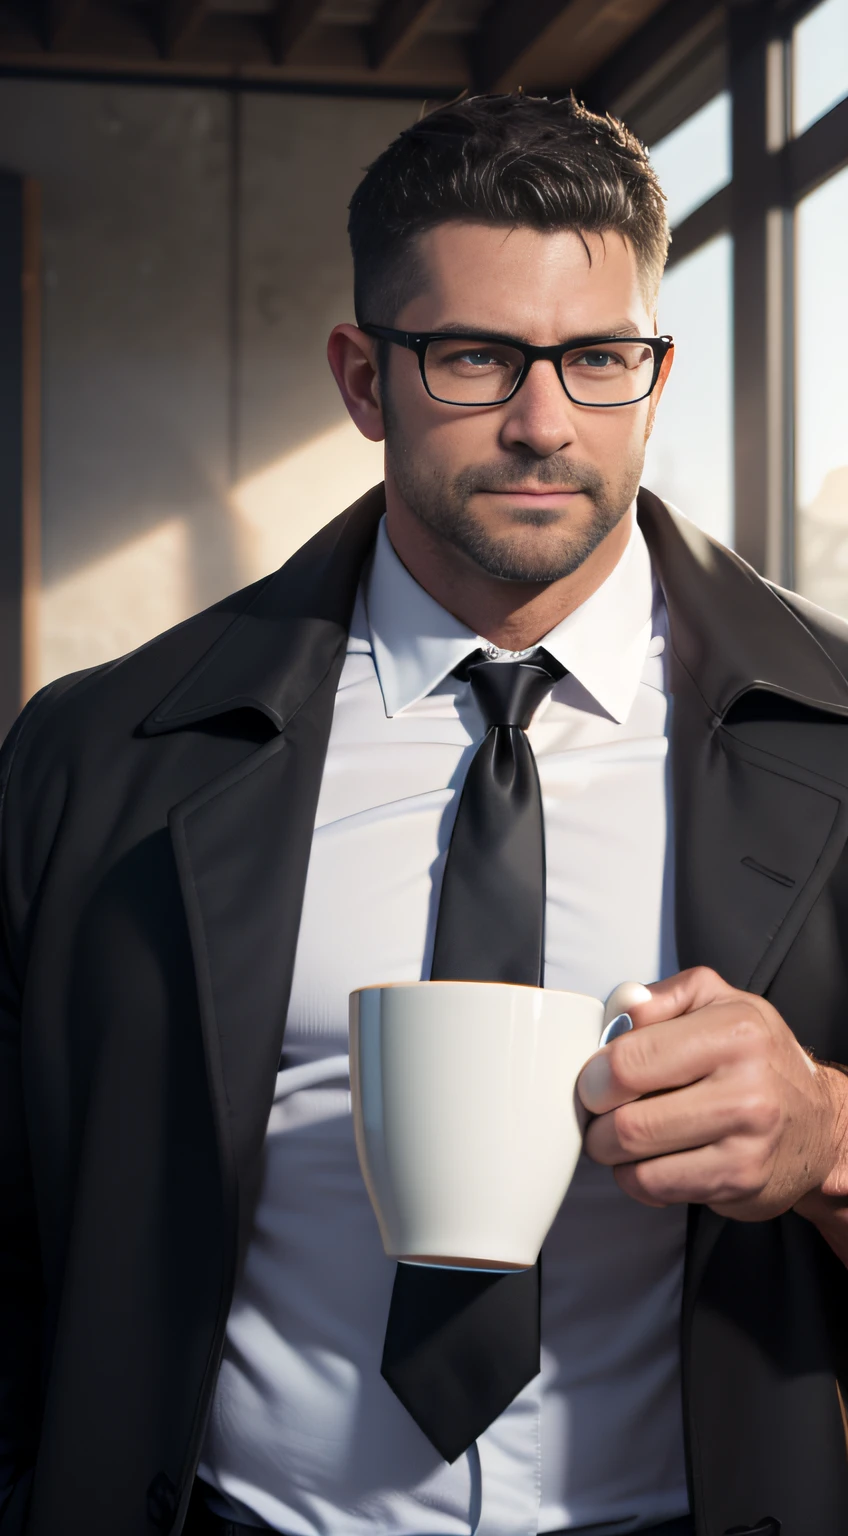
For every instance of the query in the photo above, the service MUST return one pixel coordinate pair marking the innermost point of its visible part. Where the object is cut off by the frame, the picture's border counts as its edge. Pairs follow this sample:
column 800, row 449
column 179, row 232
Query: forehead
column 525, row 282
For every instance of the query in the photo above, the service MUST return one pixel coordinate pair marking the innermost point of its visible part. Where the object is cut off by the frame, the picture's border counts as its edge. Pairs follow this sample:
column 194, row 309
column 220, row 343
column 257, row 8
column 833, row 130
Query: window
column 694, row 161
column 820, row 63
column 690, row 453
column 755, row 288
column 822, row 396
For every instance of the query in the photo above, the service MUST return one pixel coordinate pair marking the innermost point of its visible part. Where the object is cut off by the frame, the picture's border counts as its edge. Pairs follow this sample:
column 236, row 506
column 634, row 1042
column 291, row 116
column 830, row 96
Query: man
column 207, row 844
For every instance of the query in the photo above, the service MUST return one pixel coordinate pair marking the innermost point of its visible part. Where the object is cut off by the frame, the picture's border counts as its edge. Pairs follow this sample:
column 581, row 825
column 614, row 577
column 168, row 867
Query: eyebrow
column 623, row 328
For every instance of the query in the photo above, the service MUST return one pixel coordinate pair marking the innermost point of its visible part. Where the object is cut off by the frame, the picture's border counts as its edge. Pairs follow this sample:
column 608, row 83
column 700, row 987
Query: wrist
column 826, row 1204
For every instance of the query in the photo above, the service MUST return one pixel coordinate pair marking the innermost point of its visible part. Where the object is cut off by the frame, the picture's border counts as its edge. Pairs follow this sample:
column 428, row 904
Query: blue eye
column 598, row 360
column 478, row 358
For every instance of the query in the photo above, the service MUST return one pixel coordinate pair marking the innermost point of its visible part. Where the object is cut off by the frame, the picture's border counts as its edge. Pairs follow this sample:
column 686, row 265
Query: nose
column 540, row 417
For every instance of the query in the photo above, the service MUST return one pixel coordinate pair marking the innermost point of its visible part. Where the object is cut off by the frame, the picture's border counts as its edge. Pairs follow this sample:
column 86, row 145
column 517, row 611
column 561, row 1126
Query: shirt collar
column 604, row 643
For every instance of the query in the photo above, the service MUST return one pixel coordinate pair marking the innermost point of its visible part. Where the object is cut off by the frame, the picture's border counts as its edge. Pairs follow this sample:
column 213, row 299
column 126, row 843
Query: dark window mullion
column 748, row 29
column 700, row 226
column 816, row 154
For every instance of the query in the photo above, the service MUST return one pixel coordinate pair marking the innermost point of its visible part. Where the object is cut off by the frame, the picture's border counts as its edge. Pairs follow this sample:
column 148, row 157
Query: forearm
column 827, row 1206
column 831, row 1218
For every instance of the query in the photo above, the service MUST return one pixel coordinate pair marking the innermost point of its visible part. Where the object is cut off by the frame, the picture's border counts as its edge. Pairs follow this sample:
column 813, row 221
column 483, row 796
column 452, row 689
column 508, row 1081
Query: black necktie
column 460, row 1344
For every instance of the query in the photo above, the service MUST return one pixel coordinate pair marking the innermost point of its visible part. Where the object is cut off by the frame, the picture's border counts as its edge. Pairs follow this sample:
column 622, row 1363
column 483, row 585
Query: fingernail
column 593, row 1084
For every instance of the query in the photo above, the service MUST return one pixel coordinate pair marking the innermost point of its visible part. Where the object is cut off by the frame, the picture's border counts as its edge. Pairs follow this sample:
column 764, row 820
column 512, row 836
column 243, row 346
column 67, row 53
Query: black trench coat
column 156, row 825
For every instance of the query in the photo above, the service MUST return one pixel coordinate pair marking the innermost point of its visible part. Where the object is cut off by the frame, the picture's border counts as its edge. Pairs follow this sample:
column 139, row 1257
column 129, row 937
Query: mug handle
column 617, row 1020
column 617, row 1026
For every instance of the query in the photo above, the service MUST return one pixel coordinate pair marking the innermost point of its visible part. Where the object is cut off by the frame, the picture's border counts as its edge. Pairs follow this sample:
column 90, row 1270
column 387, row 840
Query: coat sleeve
column 21, row 1291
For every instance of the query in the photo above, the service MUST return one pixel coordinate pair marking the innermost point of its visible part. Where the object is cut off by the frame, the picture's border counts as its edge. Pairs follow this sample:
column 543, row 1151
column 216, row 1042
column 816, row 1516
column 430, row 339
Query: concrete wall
column 195, row 258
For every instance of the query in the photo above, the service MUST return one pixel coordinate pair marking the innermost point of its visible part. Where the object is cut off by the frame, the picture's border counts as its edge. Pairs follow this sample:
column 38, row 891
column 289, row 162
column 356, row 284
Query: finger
column 697, row 1116
column 683, row 993
column 655, row 1059
column 725, row 1176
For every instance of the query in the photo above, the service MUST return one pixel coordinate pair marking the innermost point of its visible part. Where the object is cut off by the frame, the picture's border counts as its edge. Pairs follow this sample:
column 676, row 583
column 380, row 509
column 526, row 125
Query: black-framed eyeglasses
column 478, row 369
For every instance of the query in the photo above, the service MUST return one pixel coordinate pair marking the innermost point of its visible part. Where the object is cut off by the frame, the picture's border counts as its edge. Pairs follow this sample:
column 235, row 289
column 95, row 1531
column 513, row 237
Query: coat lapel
column 760, row 805
column 756, row 837
column 242, row 842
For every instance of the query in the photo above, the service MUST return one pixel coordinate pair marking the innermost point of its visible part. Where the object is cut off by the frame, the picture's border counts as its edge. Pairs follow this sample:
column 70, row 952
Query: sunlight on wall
column 281, row 507
column 116, row 603
column 122, row 600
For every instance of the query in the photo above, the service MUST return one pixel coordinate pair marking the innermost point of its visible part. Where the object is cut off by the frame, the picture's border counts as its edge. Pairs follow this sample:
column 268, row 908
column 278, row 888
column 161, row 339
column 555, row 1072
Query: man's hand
column 711, row 1099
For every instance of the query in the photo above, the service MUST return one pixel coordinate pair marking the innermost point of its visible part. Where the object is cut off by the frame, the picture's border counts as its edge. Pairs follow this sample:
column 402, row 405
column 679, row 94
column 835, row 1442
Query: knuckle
column 759, row 1113
column 751, row 1032
column 704, row 975
column 645, row 1180
column 628, row 1129
column 600, row 1144
column 627, row 1062
column 744, row 1178
column 632, row 1178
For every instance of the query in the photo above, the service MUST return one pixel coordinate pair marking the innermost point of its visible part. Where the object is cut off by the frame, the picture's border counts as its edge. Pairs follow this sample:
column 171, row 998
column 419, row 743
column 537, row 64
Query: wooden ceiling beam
column 62, row 20
column 181, row 19
column 664, row 40
column 506, row 32
column 544, row 45
column 291, row 19
column 331, row 60
column 396, row 25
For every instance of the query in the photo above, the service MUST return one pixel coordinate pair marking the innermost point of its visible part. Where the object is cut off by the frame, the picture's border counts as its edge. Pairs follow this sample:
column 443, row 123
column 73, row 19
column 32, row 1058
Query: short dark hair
column 512, row 159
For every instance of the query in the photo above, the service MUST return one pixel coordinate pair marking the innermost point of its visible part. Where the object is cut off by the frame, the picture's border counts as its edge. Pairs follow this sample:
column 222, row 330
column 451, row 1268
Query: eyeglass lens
column 474, row 372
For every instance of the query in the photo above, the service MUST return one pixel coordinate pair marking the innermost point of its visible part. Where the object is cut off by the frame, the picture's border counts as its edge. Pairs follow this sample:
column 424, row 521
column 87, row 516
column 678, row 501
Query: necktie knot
column 510, row 692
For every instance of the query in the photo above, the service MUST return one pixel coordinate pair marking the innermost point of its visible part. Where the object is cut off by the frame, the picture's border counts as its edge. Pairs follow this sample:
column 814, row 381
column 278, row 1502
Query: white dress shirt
column 304, row 1433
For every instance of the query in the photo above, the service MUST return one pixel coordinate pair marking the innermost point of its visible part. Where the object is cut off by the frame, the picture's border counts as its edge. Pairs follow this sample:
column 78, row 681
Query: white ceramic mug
column 467, row 1124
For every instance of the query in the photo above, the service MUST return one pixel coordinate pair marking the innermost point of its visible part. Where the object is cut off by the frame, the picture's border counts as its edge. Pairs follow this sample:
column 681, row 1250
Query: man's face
column 526, row 490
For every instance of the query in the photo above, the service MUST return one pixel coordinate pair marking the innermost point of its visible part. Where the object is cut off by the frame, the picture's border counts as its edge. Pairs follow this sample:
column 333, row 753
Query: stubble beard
column 442, row 503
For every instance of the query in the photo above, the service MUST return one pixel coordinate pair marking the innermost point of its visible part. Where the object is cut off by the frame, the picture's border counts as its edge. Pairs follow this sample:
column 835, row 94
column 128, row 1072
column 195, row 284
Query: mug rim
column 501, row 986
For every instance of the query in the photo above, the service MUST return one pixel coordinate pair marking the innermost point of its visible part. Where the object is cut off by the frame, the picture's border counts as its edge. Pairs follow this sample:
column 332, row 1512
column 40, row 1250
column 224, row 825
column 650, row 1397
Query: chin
column 536, row 517
column 527, row 561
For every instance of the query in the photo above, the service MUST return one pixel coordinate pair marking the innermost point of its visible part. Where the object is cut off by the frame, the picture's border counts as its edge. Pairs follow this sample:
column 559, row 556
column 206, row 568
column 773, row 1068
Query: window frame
column 746, row 49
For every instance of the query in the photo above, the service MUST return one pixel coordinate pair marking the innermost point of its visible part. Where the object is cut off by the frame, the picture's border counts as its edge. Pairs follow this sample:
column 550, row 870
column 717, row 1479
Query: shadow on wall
column 195, row 258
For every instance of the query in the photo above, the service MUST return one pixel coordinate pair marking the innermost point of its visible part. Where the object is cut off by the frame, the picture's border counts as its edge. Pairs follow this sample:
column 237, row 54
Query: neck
column 512, row 614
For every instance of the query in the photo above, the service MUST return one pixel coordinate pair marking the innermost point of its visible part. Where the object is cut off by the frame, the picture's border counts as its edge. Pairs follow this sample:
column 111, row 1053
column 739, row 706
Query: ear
column 654, row 401
column 353, row 359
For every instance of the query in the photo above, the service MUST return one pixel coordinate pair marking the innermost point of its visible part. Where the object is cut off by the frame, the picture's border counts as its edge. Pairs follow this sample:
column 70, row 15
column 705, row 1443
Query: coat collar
column 273, row 656
column 730, row 631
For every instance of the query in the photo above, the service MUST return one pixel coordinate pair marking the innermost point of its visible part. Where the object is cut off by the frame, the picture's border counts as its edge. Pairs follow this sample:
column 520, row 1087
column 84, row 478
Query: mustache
column 557, row 473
